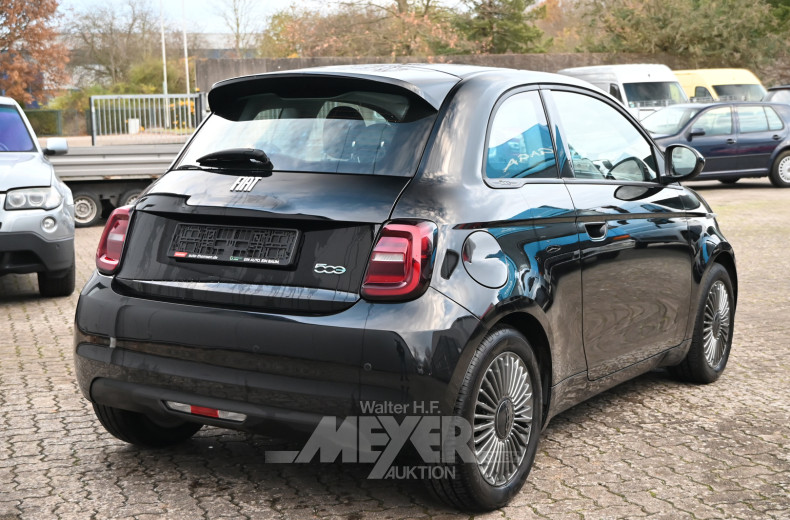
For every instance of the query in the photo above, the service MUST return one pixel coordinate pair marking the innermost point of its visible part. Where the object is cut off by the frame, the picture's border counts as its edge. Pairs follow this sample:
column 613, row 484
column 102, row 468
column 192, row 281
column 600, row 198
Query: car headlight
column 33, row 198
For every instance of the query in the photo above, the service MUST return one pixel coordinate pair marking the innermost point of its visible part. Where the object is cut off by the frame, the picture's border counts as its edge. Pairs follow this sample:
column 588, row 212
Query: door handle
column 776, row 137
column 730, row 141
column 596, row 230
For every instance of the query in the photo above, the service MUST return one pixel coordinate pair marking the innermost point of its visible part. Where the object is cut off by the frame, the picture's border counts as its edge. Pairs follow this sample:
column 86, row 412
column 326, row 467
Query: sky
column 199, row 15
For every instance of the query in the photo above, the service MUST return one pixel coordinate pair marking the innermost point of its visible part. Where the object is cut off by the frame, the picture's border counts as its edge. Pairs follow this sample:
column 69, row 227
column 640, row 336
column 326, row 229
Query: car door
column 760, row 131
column 633, row 233
column 718, row 142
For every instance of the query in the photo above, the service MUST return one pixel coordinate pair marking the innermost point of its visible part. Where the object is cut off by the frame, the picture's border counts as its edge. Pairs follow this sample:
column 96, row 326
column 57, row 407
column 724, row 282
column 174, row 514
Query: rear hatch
column 276, row 201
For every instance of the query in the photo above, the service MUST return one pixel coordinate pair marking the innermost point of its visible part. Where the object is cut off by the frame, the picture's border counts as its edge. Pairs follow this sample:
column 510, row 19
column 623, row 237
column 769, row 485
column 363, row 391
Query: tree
column 241, row 19
column 108, row 40
column 31, row 59
column 402, row 28
column 732, row 33
column 501, row 26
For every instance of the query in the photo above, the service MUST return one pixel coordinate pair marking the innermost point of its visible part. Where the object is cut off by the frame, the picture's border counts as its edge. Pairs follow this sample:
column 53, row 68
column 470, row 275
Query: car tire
column 129, row 197
column 57, row 284
column 87, row 209
column 780, row 172
column 482, row 485
column 140, row 430
column 713, row 327
column 731, row 180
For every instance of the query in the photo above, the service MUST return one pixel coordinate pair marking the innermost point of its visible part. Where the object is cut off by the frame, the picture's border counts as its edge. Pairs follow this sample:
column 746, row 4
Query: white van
column 643, row 88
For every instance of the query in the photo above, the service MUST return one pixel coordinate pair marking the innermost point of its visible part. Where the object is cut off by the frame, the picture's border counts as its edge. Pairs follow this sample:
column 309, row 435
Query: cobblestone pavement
column 649, row 448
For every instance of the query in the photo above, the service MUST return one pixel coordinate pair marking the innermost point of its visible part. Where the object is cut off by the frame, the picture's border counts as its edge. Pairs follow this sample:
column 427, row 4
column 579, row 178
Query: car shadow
column 15, row 288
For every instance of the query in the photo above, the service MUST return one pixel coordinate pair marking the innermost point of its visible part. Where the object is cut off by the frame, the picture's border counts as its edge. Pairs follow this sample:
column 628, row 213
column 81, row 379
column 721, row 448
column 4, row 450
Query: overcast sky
column 200, row 15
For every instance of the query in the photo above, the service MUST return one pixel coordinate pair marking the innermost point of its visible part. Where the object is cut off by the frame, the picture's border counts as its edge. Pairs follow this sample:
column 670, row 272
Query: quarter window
column 603, row 143
column 519, row 144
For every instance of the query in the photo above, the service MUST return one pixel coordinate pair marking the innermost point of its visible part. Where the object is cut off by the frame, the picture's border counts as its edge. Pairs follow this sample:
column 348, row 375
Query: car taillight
column 401, row 263
column 108, row 254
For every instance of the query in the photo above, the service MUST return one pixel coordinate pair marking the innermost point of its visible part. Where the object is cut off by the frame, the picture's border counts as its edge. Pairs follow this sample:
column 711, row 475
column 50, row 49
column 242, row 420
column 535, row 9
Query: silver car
column 36, row 208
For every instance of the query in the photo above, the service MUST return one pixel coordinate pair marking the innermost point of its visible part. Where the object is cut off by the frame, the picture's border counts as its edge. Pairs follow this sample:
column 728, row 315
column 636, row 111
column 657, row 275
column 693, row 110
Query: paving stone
column 651, row 447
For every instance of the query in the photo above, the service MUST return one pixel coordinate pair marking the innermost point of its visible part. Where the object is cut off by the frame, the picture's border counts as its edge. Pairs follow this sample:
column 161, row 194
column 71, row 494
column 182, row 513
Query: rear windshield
column 14, row 136
column 356, row 131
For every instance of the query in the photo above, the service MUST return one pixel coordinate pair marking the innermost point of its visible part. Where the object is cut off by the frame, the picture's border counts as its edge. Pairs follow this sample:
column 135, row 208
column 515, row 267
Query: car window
column 603, row 143
column 774, row 121
column 669, row 120
column 702, row 92
column 756, row 119
column 14, row 136
column 717, row 121
column 519, row 143
column 326, row 131
column 614, row 90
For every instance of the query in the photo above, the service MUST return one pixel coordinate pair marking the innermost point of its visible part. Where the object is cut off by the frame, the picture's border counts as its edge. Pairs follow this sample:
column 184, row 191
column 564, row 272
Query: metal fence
column 144, row 119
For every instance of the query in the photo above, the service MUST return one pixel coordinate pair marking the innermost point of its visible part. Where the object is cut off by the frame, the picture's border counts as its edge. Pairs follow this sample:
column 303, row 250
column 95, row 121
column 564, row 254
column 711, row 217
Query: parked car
column 778, row 94
column 643, row 88
column 737, row 139
column 36, row 208
column 721, row 84
column 486, row 245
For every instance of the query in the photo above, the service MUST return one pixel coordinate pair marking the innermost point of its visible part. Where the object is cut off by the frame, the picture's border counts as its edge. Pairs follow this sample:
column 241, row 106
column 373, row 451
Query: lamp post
column 164, row 63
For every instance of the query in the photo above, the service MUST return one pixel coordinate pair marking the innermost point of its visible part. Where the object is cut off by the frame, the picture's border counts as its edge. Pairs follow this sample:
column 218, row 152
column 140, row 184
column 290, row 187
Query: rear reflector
column 108, row 254
column 206, row 412
column 401, row 263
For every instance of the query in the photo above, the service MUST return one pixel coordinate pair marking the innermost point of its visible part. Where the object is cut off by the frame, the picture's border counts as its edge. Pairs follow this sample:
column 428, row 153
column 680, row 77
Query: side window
column 603, row 143
column 717, row 121
column 614, row 90
column 774, row 121
column 702, row 92
column 519, row 144
column 752, row 119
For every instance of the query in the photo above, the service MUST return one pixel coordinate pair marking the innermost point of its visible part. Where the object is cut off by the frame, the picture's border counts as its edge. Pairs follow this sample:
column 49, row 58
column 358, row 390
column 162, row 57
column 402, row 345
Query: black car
column 462, row 251
column 738, row 139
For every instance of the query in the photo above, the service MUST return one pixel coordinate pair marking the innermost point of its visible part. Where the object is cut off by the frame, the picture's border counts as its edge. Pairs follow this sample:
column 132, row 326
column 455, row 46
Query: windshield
column 354, row 132
column 740, row 92
column 670, row 120
column 14, row 136
column 654, row 93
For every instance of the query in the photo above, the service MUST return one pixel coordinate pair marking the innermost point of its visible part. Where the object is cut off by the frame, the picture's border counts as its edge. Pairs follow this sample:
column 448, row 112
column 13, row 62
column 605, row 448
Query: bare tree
column 243, row 21
column 108, row 40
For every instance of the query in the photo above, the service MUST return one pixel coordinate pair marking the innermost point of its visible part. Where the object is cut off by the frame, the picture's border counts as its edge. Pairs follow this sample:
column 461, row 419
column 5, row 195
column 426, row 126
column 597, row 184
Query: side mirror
column 682, row 163
column 696, row 132
column 56, row 146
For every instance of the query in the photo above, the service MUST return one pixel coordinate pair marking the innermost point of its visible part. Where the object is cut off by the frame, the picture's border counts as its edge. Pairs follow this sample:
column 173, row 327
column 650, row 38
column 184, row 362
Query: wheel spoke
column 500, row 447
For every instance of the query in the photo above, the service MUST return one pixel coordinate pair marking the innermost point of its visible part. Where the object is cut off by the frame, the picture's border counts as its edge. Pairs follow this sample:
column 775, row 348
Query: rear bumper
column 25, row 252
column 278, row 370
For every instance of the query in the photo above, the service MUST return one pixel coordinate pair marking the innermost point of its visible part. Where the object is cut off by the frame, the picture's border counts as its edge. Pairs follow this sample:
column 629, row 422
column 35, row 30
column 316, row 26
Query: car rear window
column 353, row 131
column 14, row 136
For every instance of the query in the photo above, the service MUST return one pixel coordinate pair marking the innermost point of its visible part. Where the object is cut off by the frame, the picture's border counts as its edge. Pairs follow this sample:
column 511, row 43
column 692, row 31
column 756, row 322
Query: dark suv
column 486, row 246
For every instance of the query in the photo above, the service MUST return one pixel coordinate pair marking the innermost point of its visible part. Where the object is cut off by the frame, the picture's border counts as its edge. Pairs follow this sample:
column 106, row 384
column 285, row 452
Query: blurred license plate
column 258, row 246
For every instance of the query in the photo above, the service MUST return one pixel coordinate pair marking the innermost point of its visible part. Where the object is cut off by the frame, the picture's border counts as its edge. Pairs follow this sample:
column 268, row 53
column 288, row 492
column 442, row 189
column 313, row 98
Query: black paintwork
column 287, row 346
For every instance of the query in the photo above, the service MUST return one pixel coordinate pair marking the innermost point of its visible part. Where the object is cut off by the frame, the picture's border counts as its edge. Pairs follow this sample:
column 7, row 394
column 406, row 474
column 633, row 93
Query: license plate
column 239, row 245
